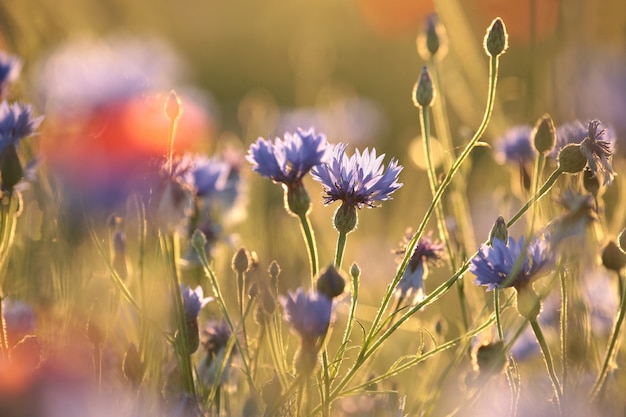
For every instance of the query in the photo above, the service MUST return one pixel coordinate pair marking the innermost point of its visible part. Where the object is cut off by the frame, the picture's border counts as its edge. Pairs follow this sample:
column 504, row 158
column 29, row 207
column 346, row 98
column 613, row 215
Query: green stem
column 4, row 343
column 564, row 307
column 349, row 326
column 341, row 248
column 549, row 364
column 439, row 214
column 309, row 238
column 496, row 308
column 493, row 78
column 544, row 189
column 610, row 352
column 539, row 164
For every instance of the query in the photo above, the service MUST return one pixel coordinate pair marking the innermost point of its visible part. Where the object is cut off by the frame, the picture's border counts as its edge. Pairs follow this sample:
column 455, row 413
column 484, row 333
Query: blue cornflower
column 359, row 180
column 16, row 122
column 193, row 301
column 598, row 152
column 426, row 252
column 288, row 161
column 10, row 67
column 308, row 313
column 575, row 132
column 510, row 265
column 208, row 175
column 515, row 146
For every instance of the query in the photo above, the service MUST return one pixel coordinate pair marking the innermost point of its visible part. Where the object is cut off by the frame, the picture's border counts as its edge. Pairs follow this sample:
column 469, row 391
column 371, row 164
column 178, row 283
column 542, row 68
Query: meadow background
column 250, row 69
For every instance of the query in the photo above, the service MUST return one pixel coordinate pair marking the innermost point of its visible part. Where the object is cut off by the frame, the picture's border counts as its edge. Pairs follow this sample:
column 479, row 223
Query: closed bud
column 499, row 231
column 345, row 218
column 544, row 134
column 274, row 271
column 433, row 42
column 528, row 303
column 172, row 106
column 490, row 358
column 571, row 159
column 132, row 366
column 613, row 258
column 331, row 283
column 240, row 261
column 423, row 91
column 496, row 40
column 271, row 391
column 355, row 271
column 198, row 240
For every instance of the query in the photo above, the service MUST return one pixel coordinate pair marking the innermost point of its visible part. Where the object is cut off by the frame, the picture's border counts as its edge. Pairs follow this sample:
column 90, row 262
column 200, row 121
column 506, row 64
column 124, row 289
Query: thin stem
column 549, row 364
column 496, row 308
column 349, row 325
column 564, row 307
column 439, row 214
column 309, row 238
column 341, row 248
column 493, row 78
column 611, row 349
column 539, row 164
column 542, row 191
column 4, row 344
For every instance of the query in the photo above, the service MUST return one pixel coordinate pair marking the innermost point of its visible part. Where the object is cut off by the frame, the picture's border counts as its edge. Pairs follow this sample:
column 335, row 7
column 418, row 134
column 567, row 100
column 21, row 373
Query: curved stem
column 349, row 326
column 341, row 248
column 549, row 364
column 610, row 351
column 439, row 214
column 309, row 238
column 496, row 308
column 544, row 189
column 539, row 164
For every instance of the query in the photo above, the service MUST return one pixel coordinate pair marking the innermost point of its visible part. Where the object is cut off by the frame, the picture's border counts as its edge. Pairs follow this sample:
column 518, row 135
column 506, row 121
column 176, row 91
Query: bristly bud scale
column 499, row 230
column 571, row 159
column 544, row 134
column 346, row 218
column 423, row 91
column 496, row 40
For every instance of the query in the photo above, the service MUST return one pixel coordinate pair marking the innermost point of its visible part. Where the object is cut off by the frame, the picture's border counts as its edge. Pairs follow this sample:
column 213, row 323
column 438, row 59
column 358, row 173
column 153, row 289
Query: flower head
column 16, row 122
column 308, row 313
column 598, row 152
column 515, row 146
column 193, row 301
column 510, row 265
column 359, row 180
column 426, row 252
column 288, row 160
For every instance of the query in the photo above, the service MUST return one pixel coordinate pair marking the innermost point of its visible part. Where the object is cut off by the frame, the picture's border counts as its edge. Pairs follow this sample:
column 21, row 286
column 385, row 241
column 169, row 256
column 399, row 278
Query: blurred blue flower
column 598, row 151
column 10, row 67
column 496, row 266
column 515, row 146
column 208, row 175
column 16, row 122
column 287, row 161
column 308, row 313
column 193, row 301
column 426, row 252
column 359, row 180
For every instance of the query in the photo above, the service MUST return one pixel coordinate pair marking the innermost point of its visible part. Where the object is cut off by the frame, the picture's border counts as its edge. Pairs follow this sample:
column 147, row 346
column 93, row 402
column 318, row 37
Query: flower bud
column 331, row 283
column 490, row 358
column 433, row 42
column 172, row 106
column 496, row 39
column 544, row 134
column 355, row 271
column 499, row 230
column 10, row 168
column 423, row 91
column 240, row 261
column 345, row 218
column 571, row 159
column 528, row 303
column 271, row 391
column 613, row 258
column 132, row 366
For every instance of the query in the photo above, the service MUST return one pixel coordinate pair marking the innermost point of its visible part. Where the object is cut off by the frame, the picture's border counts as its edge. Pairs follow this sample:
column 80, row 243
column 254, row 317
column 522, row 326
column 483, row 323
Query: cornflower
column 10, row 68
column 193, row 301
column 358, row 181
column 287, row 161
column 515, row 146
column 427, row 252
column 598, row 152
column 501, row 265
